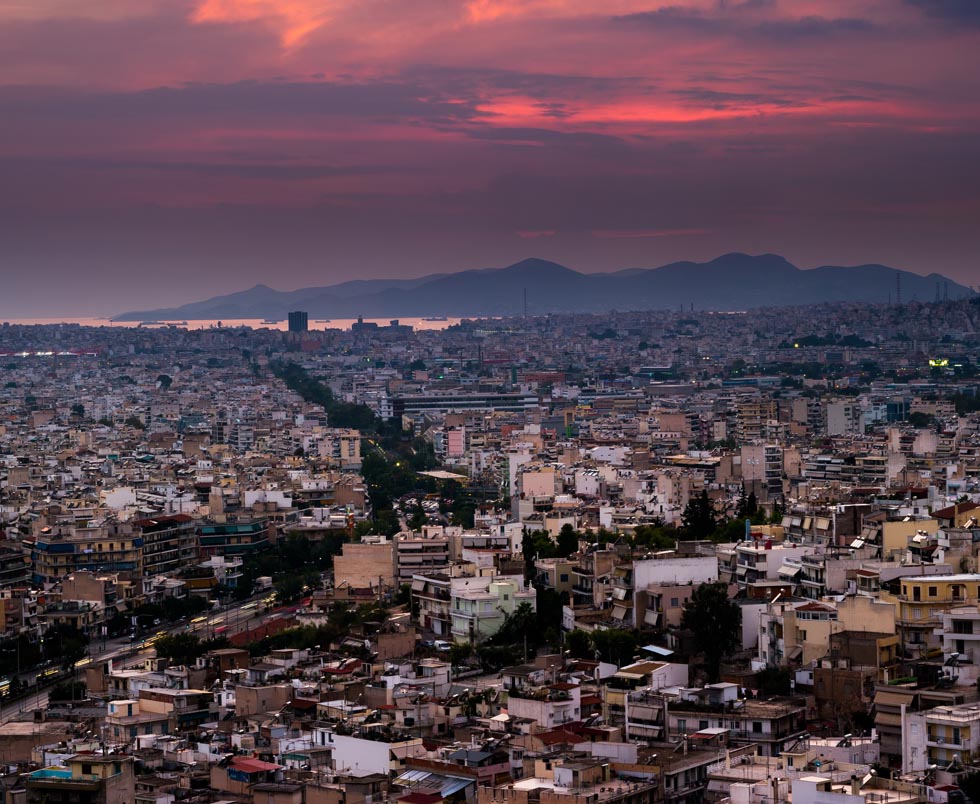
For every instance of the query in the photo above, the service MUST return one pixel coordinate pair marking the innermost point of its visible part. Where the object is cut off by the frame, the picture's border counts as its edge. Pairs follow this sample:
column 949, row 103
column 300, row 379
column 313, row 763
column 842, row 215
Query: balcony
column 940, row 742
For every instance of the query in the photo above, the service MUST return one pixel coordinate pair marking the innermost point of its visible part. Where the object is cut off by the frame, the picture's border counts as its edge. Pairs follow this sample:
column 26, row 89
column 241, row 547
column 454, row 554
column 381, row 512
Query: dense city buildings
column 640, row 557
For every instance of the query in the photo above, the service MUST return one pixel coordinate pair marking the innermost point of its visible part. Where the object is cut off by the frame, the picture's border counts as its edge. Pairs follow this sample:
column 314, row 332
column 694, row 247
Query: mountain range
column 730, row 282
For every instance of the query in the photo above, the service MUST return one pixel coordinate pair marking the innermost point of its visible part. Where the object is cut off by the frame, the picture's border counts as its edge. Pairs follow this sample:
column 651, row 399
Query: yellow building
column 895, row 535
column 922, row 602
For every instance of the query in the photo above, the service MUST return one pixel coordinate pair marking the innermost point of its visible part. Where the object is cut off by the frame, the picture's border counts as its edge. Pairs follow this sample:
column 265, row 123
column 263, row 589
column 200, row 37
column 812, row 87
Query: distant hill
column 730, row 282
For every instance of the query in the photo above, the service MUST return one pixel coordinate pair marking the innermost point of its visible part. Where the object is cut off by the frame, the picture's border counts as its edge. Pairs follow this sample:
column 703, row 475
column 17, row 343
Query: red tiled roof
column 557, row 736
column 253, row 765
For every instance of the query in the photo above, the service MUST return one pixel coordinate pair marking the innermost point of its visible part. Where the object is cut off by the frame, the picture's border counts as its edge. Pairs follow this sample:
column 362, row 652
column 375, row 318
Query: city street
column 247, row 614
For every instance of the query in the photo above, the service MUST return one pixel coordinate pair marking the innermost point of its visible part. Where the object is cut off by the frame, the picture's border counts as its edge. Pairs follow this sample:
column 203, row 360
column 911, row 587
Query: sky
column 154, row 152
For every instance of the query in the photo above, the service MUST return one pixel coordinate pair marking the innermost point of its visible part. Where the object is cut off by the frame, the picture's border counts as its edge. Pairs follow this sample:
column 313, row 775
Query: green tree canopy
column 567, row 541
column 698, row 519
column 716, row 624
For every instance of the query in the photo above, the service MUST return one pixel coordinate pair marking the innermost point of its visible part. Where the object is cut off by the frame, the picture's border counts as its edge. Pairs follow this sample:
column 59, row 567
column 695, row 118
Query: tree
column 517, row 625
column 578, row 644
column 747, row 506
column 549, row 610
column 698, row 519
column 403, row 596
column 78, row 409
column 536, row 544
column 567, row 541
column 715, row 622
column 68, row 691
column 180, row 648
column 614, row 645
column 921, row 420
column 418, row 517
column 459, row 652
column 290, row 588
column 774, row 681
column 656, row 536
column 969, row 783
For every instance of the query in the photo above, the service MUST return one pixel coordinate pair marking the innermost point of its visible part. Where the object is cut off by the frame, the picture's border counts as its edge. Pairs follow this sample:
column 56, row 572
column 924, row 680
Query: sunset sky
column 160, row 151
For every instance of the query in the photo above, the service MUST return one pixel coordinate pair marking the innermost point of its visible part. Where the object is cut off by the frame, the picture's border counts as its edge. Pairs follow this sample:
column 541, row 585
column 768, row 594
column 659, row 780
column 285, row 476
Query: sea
column 253, row 323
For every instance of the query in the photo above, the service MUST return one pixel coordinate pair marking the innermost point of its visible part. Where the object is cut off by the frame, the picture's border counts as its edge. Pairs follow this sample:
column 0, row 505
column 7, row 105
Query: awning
column 787, row 521
column 822, row 523
column 647, row 729
column 619, row 593
column 652, row 617
column 742, row 571
column 418, row 584
column 796, row 522
column 795, row 652
column 789, row 572
column 619, row 612
column 888, row 719
column 889, row 698
column 807, row 521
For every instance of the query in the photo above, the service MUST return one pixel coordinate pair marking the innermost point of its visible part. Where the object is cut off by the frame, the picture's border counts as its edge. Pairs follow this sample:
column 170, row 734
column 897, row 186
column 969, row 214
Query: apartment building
column 85, row 779
column 923, row 601
column 942, row 735
column 773, row 724
column 169, row 543
column 236, row 536
column 479, row 608
column 106, row 546
column 420, row 553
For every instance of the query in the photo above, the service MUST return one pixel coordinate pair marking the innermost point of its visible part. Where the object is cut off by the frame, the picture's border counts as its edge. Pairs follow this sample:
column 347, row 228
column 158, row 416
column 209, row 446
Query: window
column 87, row 768
column 674, row 602
column 802, row 635
column 933, row 591
column 564, row 577
column 916, row 593
column 756, row 726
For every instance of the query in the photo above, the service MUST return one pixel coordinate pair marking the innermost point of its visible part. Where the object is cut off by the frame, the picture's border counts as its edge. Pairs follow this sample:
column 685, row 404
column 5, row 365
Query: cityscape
column 639, row 556
column 490, row 402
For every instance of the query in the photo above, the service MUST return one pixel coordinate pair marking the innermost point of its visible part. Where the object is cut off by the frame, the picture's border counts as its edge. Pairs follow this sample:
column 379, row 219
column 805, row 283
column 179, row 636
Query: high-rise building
column 299, row 321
